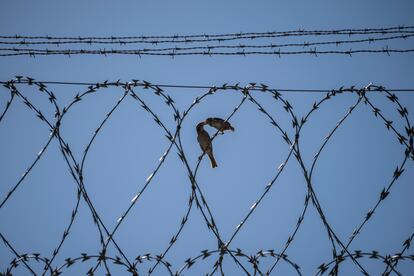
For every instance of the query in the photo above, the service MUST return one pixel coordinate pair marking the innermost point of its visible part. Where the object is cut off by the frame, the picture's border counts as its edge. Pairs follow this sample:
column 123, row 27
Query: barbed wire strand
column 333, row 46
column 228, row 86
column 313, row 52
column 299, row 32
column 337, row 42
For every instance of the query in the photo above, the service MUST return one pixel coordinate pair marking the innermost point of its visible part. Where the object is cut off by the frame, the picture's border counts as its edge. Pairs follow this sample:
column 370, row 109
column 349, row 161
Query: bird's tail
column 231, row 128
column 212, row 160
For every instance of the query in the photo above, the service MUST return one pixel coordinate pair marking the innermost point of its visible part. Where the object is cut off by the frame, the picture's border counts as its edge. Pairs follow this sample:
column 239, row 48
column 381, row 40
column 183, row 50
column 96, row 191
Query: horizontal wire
column 139, row 53
column 243, row 49
column 201, row 86
column 240, row 46
column 300, row 31
column 57, row 41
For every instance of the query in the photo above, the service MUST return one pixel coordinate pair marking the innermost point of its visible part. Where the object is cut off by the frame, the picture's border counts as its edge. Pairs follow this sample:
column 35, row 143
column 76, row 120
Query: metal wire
column 277, row 43
column 252, row 86
column 247, row 264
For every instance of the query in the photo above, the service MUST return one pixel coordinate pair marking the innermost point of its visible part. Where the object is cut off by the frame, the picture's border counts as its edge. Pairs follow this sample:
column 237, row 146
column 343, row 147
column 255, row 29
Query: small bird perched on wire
column 219, row 124
column 205, row 143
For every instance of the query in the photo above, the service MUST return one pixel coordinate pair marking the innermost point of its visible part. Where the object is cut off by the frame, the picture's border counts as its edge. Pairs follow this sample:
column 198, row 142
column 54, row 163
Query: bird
column 219, row 124
column 205, row 143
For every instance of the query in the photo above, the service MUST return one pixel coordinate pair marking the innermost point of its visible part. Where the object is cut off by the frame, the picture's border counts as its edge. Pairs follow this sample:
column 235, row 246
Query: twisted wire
column 278, row 43
column 250, row 35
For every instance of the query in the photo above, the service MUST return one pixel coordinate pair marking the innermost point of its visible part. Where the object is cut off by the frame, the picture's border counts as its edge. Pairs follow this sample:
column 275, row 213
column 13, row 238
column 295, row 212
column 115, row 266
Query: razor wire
column 247, row 264
column 277, row 43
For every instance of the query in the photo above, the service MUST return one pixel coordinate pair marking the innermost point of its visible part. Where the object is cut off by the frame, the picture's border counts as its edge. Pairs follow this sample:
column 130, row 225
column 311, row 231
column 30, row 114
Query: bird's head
column 208, row 121
column 200, row 126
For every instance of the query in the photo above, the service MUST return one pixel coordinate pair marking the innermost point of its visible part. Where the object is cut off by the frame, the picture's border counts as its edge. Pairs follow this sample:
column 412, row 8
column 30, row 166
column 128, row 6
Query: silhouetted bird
column 205, row 143
column 219, row 124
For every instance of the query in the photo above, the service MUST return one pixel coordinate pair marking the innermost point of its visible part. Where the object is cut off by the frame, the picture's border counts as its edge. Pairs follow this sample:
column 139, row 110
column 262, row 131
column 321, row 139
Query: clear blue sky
column 353, row 168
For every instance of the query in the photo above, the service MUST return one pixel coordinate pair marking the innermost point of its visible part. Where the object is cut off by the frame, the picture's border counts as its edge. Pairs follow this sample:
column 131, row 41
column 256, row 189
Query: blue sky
column 348, row 178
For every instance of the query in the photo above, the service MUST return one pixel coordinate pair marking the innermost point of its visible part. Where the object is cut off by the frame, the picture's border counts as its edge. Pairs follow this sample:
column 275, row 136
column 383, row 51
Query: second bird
column 219, row 124
column 205, row 143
